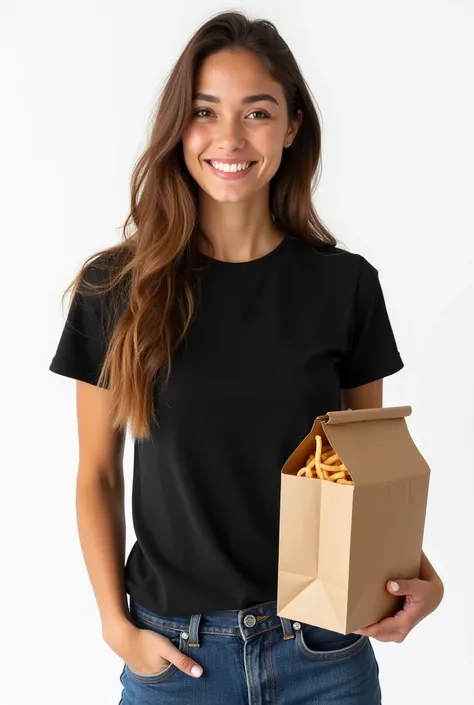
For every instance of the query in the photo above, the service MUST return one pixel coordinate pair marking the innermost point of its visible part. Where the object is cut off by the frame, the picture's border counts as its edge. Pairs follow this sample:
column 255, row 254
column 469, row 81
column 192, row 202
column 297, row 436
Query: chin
column 226, row 199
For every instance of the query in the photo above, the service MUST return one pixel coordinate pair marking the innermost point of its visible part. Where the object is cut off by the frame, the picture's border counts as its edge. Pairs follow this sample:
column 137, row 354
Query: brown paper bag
column 340, row 544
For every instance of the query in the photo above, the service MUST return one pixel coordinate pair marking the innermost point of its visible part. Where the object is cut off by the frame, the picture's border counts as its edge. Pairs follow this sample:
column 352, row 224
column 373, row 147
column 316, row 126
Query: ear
column 295, row 126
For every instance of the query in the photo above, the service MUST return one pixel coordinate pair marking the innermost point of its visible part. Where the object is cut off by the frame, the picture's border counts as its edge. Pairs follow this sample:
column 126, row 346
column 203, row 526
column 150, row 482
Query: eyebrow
column 248, row 99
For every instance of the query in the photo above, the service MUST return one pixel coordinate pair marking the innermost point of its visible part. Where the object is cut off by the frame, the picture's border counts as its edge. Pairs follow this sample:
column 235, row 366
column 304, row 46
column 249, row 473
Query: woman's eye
column 206, row 110
column 259, row 111
column 201, row 110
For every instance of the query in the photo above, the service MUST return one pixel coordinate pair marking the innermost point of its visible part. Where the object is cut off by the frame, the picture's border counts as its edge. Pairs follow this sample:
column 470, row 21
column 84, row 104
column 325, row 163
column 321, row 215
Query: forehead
column 234, row 71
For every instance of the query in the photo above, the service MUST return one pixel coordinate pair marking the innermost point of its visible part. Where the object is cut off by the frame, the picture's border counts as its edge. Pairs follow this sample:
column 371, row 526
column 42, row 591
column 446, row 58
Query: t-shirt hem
column 373, row 375
column 77, row 375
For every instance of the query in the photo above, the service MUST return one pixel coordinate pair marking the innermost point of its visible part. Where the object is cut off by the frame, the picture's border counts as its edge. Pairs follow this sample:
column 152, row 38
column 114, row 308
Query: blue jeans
column 253, row 657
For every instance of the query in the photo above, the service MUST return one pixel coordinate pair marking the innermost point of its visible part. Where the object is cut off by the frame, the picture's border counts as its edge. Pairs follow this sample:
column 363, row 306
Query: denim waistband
column 245, row 623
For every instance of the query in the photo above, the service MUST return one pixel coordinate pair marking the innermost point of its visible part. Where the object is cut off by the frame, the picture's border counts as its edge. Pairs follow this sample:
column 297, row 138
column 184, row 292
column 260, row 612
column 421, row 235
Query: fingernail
column 196, row 671
column 395, row 587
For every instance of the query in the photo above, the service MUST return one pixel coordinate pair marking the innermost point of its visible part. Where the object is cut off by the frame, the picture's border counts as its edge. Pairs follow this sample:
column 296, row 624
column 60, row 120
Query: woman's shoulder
column 335, row 256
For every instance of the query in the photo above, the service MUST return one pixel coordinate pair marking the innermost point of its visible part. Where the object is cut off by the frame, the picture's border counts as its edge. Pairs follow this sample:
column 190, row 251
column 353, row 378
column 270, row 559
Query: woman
column 217, row 330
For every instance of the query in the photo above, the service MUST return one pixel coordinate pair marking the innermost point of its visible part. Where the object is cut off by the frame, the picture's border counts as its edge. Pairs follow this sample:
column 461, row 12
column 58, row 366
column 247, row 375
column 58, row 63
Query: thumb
column 181, row 661
column 401, row 587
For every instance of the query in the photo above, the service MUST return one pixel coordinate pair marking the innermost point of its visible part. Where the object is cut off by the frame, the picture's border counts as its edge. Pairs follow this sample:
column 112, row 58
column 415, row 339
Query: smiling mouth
column 231, row 172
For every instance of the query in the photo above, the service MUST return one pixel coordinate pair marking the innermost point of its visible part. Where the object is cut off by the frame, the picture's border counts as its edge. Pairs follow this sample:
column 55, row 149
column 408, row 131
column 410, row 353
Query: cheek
column 269, row 143
column 193, row 147
column 194, row 143
column 270, row 146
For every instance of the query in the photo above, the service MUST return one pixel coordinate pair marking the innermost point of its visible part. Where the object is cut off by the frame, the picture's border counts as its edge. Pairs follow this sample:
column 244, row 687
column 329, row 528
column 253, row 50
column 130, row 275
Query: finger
column 400, row 623
column 180, row 660
column 405, row 587
column 383, row 633
column 373, row 630
column 396, row 637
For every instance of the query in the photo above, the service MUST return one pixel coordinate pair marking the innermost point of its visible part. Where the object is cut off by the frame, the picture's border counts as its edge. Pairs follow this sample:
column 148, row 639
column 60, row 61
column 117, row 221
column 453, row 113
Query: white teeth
column 220, row 166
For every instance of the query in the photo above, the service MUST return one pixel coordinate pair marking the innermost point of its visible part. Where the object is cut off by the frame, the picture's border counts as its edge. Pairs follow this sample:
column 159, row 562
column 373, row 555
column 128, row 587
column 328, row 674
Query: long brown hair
column 149, row 274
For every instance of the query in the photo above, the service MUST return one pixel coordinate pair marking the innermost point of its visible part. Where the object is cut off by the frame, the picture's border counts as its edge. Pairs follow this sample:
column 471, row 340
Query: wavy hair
column 150, row 273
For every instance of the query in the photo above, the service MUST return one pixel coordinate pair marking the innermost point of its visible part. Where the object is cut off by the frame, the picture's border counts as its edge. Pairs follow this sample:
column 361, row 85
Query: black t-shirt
column 272, row 343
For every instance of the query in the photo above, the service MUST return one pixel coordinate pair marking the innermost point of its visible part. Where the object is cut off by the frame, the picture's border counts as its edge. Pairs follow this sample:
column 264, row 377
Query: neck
column 238, row 232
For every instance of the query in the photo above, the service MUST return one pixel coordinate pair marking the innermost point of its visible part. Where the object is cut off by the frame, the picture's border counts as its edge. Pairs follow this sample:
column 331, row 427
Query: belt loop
column 288, row 632
column 194, row 630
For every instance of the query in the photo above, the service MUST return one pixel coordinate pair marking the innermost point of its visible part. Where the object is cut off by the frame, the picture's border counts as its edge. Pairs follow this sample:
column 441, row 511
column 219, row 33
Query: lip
column 230, row 175
column 228, row 161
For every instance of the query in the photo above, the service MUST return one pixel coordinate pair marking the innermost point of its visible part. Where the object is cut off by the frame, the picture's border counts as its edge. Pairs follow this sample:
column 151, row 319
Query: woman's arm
column 101, row 522
column 100, row 503
column 368, row 396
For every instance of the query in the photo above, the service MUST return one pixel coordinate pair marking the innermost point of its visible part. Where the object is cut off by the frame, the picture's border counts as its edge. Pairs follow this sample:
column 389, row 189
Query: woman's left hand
column 421, row 598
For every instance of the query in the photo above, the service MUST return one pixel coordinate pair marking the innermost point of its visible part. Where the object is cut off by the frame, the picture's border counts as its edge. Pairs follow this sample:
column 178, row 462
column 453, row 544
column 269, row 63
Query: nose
column 229, row 135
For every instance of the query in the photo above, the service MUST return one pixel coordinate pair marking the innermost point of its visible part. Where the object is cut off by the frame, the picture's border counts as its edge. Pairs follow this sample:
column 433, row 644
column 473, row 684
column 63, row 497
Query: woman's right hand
column 147, row 652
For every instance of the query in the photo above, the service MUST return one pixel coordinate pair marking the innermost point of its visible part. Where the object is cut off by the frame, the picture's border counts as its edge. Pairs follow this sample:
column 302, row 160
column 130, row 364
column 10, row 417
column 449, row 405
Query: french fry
column 325, row 464
column 330, row 468
column 319, row 447
column 337, row 476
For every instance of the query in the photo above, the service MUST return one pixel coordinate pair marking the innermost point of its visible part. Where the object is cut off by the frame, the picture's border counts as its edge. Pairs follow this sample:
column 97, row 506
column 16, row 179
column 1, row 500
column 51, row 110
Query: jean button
column 296, row 625
column 249, row 620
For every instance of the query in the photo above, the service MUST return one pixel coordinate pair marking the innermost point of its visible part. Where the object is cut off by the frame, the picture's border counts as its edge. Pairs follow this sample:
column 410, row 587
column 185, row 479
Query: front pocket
column 321, row 644
column 140, row 620
column 152, row 677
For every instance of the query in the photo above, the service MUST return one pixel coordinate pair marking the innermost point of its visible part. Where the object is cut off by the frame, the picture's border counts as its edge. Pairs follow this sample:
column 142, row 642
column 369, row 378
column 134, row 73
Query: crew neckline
column 248, row 263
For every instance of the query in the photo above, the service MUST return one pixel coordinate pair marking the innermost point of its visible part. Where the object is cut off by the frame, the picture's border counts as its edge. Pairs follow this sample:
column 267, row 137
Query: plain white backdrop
column 393, row 81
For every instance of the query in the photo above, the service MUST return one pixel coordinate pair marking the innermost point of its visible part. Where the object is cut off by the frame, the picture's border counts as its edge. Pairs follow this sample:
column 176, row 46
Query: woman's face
column 230, row 123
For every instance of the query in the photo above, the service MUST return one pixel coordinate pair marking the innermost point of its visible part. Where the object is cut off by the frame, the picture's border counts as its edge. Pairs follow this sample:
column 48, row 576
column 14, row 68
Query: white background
column 393, row 81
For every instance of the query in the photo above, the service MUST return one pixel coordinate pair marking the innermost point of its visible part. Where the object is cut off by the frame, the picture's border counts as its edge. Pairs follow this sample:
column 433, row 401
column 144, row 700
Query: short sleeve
column 82, row 346
column 372, row 352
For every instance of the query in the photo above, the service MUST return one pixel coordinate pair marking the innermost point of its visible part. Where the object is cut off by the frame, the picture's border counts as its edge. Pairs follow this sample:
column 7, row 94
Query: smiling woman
column 211, row 335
